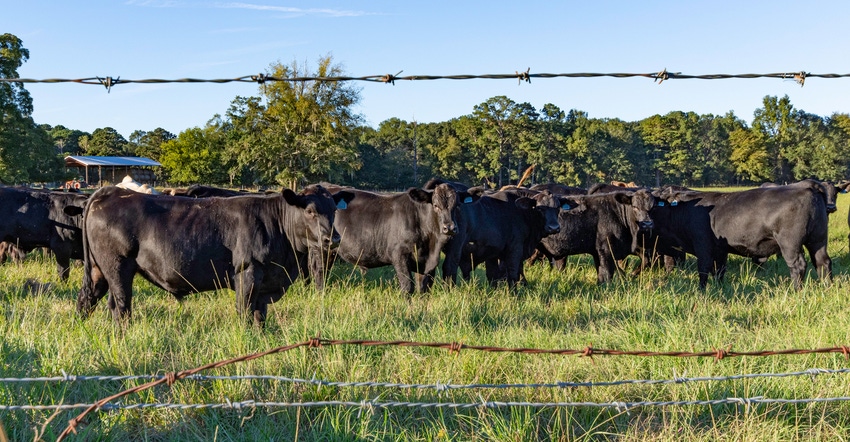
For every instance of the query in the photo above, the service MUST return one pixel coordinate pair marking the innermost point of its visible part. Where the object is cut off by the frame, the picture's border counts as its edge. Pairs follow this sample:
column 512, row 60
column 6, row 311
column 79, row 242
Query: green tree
column 749, row 157
column 67, row 141
column 26, row 151
column 503, row 138
column 149, row 144
column 195, row 157
column 307, row 129
column 775, row 123
column 107, row 142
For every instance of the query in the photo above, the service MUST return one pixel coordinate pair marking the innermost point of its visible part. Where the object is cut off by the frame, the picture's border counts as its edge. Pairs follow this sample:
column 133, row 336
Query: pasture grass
column 752, row 309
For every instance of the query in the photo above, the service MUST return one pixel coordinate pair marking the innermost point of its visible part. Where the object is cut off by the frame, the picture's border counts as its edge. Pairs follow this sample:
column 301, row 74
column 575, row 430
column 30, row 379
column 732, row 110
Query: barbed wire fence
column 108, row 403
column 521, row 76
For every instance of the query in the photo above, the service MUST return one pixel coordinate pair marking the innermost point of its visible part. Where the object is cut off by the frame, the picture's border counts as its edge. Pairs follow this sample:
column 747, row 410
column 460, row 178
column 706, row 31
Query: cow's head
column 445, row 201
column 318, row 207
column 548, row 206
column 641, row 202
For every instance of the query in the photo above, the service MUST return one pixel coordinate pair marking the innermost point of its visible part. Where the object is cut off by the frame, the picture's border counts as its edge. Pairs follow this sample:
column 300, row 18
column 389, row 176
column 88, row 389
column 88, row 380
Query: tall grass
column 752, row 309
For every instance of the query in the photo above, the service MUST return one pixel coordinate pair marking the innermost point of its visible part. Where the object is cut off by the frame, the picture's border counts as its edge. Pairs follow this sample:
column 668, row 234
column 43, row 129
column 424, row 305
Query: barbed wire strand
column 108, row 82
column 812, row 372
column 453, row 347
column 424, row 405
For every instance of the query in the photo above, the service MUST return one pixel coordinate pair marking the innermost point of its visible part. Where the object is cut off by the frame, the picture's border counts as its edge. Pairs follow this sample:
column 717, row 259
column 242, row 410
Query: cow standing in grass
column 188, row 245
column 42, row 218
column 754, row 223
column 405, row 230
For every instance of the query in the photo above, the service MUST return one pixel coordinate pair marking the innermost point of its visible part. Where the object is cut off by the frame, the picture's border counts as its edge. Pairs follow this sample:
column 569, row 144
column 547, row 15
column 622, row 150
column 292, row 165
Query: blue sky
column 173, row 39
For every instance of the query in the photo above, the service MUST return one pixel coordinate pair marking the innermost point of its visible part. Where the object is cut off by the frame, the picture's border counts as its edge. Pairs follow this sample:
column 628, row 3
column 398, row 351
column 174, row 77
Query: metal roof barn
column 125, row 163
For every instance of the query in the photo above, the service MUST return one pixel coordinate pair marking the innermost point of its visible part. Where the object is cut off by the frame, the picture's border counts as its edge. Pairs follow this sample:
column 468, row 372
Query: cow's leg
column 792, row 252
column 121, row 289
column 605, row 267
column 492, row 270
column 821, row 260
column 402, row 271
column 246, row 296
column 512, row 269
column 93, row 289
column 559, row 263
column 63, row 266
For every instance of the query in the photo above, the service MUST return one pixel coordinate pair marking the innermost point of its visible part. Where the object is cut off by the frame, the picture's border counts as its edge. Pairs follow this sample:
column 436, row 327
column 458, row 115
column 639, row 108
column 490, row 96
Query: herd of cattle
column 205, row 238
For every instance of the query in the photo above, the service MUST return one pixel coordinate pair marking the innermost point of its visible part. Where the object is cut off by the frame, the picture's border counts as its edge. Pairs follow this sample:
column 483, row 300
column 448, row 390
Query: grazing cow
column 559, row 189
column 502, row 230
column 40, row 218
column 185, row 245
column 406, row 230
column 755, row 223
column 605, row 225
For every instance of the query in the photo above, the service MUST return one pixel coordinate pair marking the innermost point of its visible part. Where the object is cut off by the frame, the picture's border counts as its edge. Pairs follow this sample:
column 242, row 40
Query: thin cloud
column 293, row 11
column 289, row 11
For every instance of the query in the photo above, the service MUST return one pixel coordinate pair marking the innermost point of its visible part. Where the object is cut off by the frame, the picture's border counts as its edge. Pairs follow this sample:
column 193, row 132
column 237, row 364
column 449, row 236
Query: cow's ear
column 526, row 203
column 342, row 198
column 73, row 210
column 477, row 191
column 293, row 199
column 467, row 198
column 623, row 197
column 420, row 195
column 571, row 204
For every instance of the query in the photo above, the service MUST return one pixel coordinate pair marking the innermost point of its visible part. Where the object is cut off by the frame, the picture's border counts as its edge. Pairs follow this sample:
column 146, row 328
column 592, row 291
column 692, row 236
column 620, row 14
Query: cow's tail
column 87, row 298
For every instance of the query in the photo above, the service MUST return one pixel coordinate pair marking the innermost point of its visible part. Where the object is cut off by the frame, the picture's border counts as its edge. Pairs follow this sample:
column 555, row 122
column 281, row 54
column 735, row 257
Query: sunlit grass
column 753, row 309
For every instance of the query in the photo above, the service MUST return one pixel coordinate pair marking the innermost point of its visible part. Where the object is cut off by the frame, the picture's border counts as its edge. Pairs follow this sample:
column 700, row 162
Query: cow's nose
column 830, row 208
column 553, row 229
column 646, row 225
column 449, row 230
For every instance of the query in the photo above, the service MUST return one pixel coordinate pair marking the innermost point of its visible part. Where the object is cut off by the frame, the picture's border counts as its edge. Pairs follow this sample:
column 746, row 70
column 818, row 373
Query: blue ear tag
column 341, row 205
column 674, row 203
column 467, row 200
column 661, row 204
column 566, row 206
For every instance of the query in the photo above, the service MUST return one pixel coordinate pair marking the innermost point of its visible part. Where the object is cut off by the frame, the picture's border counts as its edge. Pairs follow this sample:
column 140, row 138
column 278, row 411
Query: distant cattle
column 406, row 230
column 42, row 218
column 130, row 184
column 559, row 189
column 754, row 223
column 501, row 230
column 605, row 226
column 185, row 245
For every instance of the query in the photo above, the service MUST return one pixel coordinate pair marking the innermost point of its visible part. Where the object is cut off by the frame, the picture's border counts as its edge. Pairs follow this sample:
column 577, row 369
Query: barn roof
column 82, row 161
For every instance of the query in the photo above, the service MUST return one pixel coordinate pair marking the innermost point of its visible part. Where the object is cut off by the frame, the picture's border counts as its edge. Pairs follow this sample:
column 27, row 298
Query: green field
column 751, row 310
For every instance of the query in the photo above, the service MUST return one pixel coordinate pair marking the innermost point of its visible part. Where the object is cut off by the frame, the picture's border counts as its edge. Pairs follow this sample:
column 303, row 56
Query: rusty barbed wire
column 108, row 82
column 453, row 347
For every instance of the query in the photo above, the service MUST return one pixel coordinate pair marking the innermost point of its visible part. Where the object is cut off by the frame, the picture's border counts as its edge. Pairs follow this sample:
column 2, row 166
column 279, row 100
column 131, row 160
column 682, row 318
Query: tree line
column 293, row 133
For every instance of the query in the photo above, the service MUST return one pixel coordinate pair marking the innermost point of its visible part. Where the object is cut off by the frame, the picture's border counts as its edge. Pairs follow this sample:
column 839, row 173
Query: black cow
column 501, row 230
column 187, row 245
column 559, row 189
column 605, row 226
column 406, row 230
column 43, row 218
column 754, row 223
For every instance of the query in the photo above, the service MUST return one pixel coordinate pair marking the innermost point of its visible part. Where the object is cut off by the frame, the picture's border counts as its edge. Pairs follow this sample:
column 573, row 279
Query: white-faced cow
column 406, row 230
column 188, row 245
column 42, row 218
column 754, row 223
column 605, row 226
